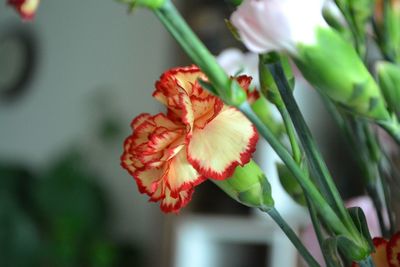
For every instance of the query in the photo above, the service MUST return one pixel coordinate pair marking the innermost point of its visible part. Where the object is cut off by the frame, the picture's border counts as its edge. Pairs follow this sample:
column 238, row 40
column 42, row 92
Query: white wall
column 84, row 46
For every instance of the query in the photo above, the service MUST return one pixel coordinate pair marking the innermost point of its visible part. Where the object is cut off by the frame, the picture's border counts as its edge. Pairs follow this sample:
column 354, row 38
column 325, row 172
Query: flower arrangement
column 213, row 120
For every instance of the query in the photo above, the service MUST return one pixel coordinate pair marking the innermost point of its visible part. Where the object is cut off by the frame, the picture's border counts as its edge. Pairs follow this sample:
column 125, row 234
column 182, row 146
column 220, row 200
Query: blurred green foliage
column 57, row 219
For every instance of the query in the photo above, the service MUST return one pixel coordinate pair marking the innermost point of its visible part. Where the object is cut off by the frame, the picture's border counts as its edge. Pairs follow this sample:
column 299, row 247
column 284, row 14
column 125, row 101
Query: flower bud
column 389, row 82
column 262, row 108
column 249, row 186
column 291, row 186
column 333, row 66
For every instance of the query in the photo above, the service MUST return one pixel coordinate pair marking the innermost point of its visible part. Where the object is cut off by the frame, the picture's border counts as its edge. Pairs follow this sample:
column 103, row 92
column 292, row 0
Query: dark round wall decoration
column 18, row 58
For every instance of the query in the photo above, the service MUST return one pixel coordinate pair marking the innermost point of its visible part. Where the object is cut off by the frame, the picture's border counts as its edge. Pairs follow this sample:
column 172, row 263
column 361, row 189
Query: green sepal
column 333, row 67
column 389, row 82
column 356, row 248
column 348, row 248
column 351, row 250
column 259, row 195
column 330, row 250
column 249, row 186
column 358, row 217
column 232, row 29
column 262, row 108
column 290, row 184
column 237, row 95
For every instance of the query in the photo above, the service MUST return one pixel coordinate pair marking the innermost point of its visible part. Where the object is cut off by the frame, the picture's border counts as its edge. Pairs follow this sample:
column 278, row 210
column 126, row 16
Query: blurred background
column 70, row 83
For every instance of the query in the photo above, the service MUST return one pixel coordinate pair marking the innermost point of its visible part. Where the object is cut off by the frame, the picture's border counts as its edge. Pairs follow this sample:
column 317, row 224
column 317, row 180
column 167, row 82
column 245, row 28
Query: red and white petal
column 393, row 251
column 161, row 140
column 130, row 163
column 205, row 109
column 161, row 120
column 148, row 180
column 128, row 160
column 139, row 120
column 224, row 143
column 244, row 81
column 161, row 97
column 142, row 132
column 176, row 78
column 181, row 175
column 150, row 160
column 174, row 204
column 185, row 107
column 180, row 108
column 187, row 80
column 380, row 254
column 252, row 94
column 199, row 91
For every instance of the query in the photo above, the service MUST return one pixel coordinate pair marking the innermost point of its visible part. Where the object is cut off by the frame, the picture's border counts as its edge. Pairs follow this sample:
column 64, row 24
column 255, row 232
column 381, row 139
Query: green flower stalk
column 249, row 186
column 270, row 90
column 387, row 28
column 389, row 81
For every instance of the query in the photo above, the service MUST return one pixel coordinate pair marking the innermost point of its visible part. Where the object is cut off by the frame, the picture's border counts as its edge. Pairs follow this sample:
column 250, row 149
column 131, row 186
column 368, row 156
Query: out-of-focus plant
column 57, row 218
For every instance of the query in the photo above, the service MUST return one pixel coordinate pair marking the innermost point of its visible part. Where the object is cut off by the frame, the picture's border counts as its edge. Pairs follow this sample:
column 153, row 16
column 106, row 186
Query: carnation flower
column 387, row 253
column 26, row 8
column 199, row 138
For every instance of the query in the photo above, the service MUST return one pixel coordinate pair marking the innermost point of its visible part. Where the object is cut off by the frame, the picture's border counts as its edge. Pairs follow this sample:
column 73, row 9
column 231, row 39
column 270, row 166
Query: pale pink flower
column 266, row 25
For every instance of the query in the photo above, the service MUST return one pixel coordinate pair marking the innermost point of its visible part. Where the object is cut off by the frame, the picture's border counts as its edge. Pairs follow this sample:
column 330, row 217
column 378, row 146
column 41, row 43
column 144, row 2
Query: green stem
column 274, row 214
column 192, row 45
column 373, row 193
column 360, row 155
column 317, row 165
column 387, row 195
column 322, row 206
column 318, row 232
column 291, row 134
